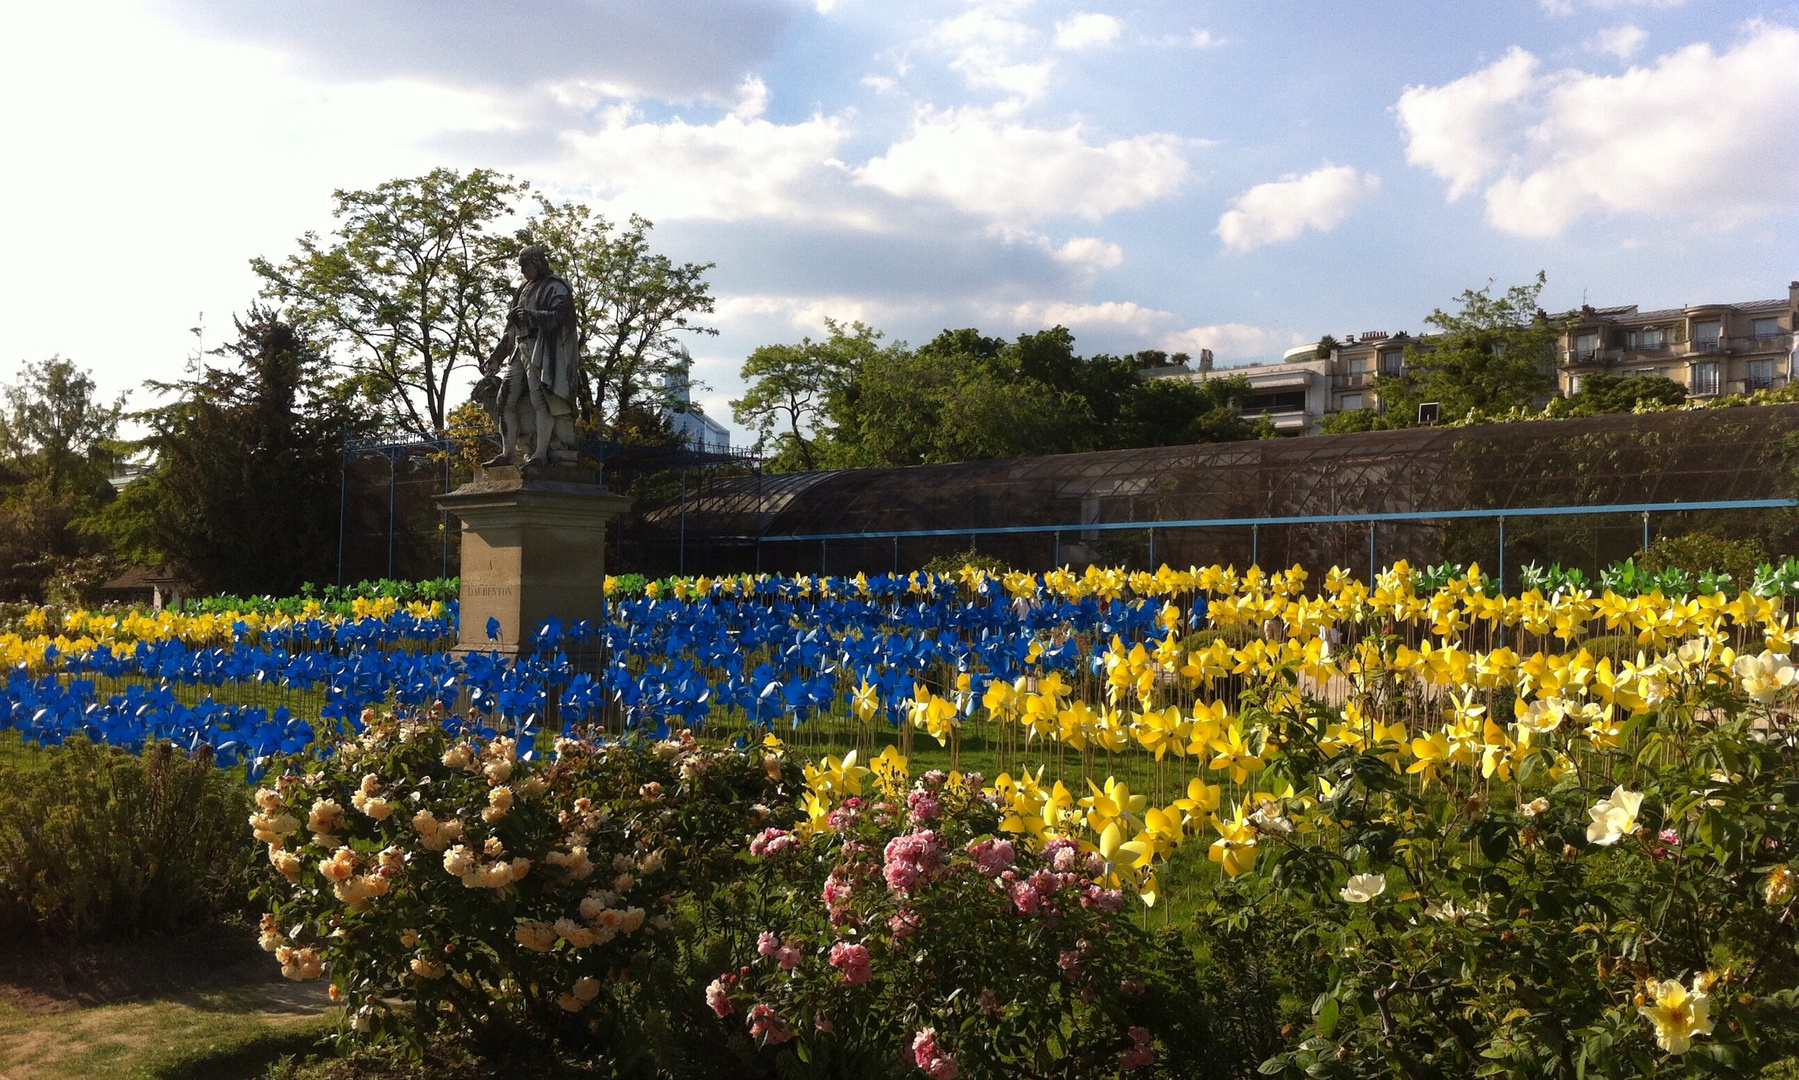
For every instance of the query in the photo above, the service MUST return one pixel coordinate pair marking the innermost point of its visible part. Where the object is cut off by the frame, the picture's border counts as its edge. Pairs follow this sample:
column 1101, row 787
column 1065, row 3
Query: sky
column 1238, row 175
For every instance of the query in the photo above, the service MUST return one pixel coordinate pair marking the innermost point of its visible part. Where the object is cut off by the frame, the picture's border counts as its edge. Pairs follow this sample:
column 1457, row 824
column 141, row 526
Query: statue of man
column 541, row 355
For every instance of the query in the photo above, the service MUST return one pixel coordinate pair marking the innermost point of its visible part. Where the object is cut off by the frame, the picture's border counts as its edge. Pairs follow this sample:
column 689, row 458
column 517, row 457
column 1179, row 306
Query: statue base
column 533, row 548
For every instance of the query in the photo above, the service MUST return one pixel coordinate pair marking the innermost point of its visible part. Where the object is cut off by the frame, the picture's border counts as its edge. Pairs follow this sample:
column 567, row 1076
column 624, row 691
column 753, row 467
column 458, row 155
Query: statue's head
column 535, row 262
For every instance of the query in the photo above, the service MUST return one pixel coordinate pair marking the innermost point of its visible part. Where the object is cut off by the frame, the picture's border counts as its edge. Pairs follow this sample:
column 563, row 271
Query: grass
column 221, row 1035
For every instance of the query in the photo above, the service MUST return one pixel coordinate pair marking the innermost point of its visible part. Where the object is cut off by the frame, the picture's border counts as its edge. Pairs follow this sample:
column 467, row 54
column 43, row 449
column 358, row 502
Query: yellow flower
column 1115, row 802
column 1235, row 848
column 1234, row 754
column 1678, row 1014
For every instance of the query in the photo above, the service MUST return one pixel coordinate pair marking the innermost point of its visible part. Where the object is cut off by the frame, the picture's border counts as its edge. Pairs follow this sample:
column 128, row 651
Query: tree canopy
column 57, row 451
column 851, row 401
column 243, row 495
column 1491, row 355
column 413, row 284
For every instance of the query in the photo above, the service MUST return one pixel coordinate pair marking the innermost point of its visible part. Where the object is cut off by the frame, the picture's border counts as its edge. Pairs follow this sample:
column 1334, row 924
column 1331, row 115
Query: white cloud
column 753, row 99
column 1087, row 30
column 1198, row 39
column 1620, row 41
column 128, row 136
column 1228, row 341
column 804, row 313
column 1015, row 174
column 1090, row 251
column 1455, row 130
column 1149, row 326
column 1129, row 316
column 985, row 68
column 982, row 42
column 1698, row 135
column 730, row 170
column 1282, row 209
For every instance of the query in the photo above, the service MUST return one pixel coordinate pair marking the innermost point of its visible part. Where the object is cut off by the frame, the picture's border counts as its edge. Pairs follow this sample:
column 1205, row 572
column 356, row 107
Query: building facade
column 1311, row 381
column 1710, row 349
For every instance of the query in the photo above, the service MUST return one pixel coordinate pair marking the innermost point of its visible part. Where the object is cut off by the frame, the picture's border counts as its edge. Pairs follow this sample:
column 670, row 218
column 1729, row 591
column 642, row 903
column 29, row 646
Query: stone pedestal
column 533, row 546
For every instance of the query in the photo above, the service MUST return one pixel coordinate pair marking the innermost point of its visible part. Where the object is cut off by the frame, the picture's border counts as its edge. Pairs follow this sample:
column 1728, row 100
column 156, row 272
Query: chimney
column 1205, row 355
column 1793, row 297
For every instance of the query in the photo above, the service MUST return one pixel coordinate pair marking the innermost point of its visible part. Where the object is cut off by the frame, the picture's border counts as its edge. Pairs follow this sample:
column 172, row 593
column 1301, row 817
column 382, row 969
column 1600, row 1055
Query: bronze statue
column 540, row 354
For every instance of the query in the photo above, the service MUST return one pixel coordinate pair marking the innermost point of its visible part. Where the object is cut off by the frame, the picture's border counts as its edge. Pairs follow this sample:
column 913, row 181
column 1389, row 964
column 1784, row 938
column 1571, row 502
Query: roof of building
column 143, row 577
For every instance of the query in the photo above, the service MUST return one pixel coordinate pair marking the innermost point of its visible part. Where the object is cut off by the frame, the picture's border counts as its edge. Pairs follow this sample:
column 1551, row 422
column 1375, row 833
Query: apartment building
column 1711, row 349
column 1310, row 381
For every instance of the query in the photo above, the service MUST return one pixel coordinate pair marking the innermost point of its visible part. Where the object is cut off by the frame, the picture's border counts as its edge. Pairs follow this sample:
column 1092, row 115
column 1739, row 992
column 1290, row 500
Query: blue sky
column 1238, row 176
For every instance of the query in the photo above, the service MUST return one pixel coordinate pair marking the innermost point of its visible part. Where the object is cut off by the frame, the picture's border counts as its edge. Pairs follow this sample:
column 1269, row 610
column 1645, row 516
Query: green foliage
column 243, row 496
column 456, row 888
column 1011, row 963
column 97, row 842
column 57, row 448
column 1492, row 354
column 1511, row 928
column 948, row 565
column 409, row 289
column 413, row 286
column 1601, row 394
column 1730, row 562
column 848, row 402
column 790, row 388
column 1351, row 420
column 332, row 599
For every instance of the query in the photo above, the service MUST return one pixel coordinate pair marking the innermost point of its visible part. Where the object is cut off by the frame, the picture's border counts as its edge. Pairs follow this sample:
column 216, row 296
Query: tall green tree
column 410, row 287
column 243, row 496
column 631, row 304
column 1492, row 354
column 959, row 397
column 57, row 451
column 791, row 389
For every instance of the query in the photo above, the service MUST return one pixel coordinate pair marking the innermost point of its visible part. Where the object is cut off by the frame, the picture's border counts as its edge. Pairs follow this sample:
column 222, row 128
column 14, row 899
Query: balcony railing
column 1760, row 342
column 1353, row 380
column 1708, row 345
column 1754, row 383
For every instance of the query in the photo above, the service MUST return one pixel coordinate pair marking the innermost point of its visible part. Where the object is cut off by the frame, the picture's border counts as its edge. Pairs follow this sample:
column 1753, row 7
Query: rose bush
column 462, row 885
column 903, row 934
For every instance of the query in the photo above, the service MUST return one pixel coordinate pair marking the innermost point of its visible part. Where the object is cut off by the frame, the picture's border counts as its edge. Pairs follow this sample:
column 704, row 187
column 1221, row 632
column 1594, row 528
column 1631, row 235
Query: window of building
column 1586, row 344
column 1705, row 378
column 1574, row 383
column 1358, row 365
column 1643, row 340
column 1391, row 361
column 1705, row 334
column 1351, row 403
column 1278, row 401
column 1761, row 375
column 1765, row 327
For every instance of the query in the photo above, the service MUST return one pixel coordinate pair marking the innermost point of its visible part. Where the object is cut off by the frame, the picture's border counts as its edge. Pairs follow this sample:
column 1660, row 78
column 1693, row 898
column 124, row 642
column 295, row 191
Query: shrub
column 95, row 841
column 903, row 932
column 950, row 565
column 459, row 887
column 1707, row 553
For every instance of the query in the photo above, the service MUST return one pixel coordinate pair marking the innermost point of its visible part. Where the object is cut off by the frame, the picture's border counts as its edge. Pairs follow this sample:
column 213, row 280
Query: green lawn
column 221, row 1035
